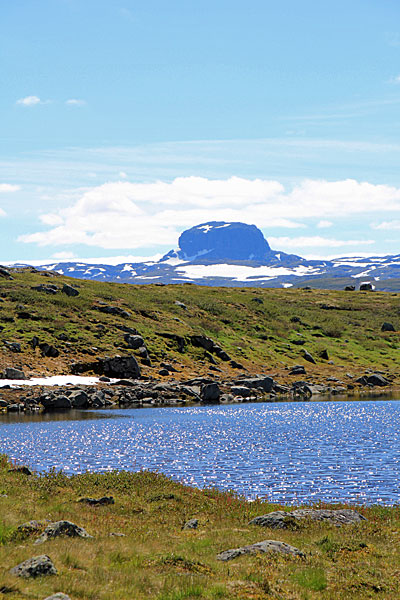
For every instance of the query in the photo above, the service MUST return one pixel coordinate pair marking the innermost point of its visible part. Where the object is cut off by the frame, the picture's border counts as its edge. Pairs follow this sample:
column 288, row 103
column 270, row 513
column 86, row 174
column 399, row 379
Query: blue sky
column 123, row 123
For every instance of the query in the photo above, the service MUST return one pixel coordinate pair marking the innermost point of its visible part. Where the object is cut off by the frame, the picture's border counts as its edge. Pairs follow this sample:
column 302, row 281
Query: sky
column 123, row 123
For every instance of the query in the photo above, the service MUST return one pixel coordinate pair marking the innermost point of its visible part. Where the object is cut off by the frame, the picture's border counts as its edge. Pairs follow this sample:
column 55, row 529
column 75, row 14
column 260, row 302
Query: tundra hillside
column 44, row 329
column 157, row 539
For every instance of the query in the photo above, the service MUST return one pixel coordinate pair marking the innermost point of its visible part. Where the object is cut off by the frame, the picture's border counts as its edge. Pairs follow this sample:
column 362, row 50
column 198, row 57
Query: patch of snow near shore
column 54, row 380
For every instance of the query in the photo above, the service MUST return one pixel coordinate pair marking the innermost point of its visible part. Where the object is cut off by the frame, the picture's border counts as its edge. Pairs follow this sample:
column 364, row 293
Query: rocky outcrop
column 12, row 373
column 261, row 548
column 97, row 502
column 286, row 520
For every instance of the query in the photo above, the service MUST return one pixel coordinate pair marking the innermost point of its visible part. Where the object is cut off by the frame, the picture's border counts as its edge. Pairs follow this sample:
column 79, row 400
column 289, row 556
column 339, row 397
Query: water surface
column 289, row 452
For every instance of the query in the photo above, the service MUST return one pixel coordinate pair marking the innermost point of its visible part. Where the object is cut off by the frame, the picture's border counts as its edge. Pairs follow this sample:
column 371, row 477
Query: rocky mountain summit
column 218, row 253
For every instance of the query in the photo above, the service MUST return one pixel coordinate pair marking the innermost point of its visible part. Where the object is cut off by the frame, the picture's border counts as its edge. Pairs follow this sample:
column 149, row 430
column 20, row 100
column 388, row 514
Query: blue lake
column 288, row 452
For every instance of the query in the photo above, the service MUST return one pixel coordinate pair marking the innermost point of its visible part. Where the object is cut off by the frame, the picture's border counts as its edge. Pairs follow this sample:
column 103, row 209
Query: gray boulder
column 62, row 528
column 377, row 379
column 35, row 567
column 58, row 596
column 98, row 501
column 134, row 342
column 121, row 367
column 260, row 547
column 307, row 356
column 191, row 524
column 12, row 373
column 51, row 402
column 262, row 383
column 69, row 290
column 286, row 520
column 210, row 393
column 79, row 399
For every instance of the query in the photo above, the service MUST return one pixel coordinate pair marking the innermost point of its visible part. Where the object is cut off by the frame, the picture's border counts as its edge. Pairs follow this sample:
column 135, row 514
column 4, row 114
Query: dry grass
column 157, row 559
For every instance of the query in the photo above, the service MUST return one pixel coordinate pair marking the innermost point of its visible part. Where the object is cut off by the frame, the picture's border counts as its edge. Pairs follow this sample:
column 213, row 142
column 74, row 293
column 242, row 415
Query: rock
column 258, row 300
column 13, row 346
column 324, row 354
column 286, row 520
column 104, row 379
column 4, row 273
column 58, row 596
column 35, row 567
column 180, row 304
column 133, row 341
column 12, row 373
column 377, row 379
column 308, row 356
column 366, row 287
column 69, row 290
column 210, row 393
column 181, row 342
column 48, row 350
column 35, row 341
column 112, row 310
column 22, row 469
column 51, row 402
column 3, row 403
column 191, row 524
column 260, row 547
column 236, row 365
column 97, row 502
column 27, row 315
column 297, row 370
column 62, row 528
column 31, row 527
column 349, row 288
column 262, row 383
column 121, row 367
column 79, row 399
column 163, row 372
column 387, row 327
column 47, row 289
column 241, row 390
column 203, row 341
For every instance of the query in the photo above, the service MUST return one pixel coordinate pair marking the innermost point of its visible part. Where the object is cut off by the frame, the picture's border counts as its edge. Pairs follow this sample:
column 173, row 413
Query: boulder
column 52, row 402
column 377, row 379
column 286, row 520
column 12, row 373
column 79, row 399
column 112, row 310
column 69, row 290
column 4, row 273
column 349, row 288
column 297, row 370
column 366, row 287
column 48, row 350
column 260, row 547
column 97, row 501
column 241, row 390
column 387, row 327
column 262, row 383
column 120, row 367
column 21, row 469
column 210, row 393
column 134, row 342
column 35, row 567
column 191, row 524
column 58, row 596
column 307, row 356
column 62, row 528
column 47, row 289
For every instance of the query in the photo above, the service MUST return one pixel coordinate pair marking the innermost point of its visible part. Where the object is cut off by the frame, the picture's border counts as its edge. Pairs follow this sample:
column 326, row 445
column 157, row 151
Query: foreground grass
column 157, row 559
column 263, row 329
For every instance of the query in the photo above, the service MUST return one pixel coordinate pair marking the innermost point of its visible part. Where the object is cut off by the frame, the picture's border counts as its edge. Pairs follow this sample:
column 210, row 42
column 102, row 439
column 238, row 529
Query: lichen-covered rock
column 286, row 520
column 35, row 567
column 58, row 596
column 62, row 528
column 99, row 501
column 260, row 547
column 191, row 524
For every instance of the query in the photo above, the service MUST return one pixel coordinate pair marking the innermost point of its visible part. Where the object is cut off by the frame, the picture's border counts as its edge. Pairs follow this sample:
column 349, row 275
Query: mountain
column 218, row 253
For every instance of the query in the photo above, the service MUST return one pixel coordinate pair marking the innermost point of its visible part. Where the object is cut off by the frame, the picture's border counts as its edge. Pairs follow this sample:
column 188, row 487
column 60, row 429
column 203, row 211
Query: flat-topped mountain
column 219, row 253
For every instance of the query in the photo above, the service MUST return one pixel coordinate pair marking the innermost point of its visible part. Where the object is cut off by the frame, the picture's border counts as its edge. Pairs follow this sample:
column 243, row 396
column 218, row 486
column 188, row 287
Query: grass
column 157, row 559
column 260, row 335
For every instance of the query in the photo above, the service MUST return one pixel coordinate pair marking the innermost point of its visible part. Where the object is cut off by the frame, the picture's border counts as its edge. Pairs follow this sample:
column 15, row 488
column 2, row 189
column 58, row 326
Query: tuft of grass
column 311, row 578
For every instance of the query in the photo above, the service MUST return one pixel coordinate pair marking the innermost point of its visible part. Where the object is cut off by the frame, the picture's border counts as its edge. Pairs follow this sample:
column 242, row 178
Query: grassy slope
column 158, row 560
column 259, row 335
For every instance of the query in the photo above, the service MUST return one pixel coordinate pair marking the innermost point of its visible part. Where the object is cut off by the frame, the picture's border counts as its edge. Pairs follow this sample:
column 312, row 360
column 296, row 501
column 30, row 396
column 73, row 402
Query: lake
column 289, row 452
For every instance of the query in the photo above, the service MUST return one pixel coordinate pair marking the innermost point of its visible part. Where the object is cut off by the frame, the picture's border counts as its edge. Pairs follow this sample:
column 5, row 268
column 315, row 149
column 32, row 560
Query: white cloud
column 6, row 188
column 136, row 215
column 395, row 79
column 324, row 224
column 75, row 102
column 387, row 225
column 122, row 174
column 64, row 255
column 2, row 213
column 314, row 242
column 29, row 101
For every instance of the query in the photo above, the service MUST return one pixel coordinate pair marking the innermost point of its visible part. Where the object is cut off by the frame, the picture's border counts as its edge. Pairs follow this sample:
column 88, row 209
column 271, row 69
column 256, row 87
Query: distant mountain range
column 236, row 254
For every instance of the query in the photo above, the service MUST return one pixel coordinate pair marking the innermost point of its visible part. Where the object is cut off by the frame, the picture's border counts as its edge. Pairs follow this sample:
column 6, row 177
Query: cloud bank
column 126, row 215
